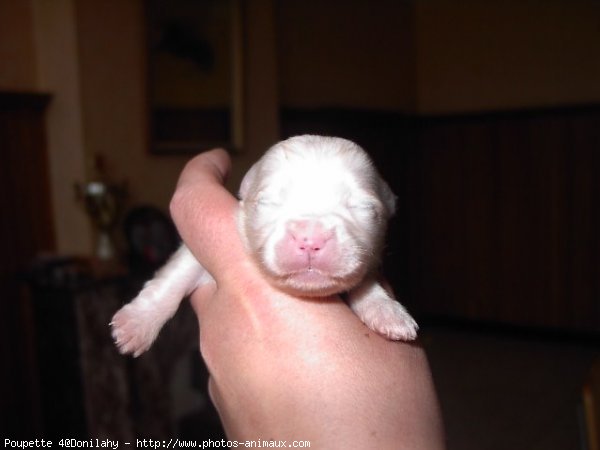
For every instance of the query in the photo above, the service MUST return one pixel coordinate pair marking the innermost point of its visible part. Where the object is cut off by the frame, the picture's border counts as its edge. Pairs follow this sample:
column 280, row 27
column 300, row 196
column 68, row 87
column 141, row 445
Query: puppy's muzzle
column 309, row 236
column 307, row 244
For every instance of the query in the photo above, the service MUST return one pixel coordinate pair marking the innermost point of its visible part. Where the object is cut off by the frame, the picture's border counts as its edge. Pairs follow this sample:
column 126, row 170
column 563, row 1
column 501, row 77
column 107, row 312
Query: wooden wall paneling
column 442, row 219
column 405, row 176
column 411, row 202
column 513, row 268
column 520, row 240
column 549, row 141
column 478, row 274
column 582, row 260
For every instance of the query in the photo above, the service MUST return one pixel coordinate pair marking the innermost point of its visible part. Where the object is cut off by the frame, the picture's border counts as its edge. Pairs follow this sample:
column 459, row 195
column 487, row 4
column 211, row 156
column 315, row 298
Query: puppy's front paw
column 382, row 313
column 390, row 319
column 134, row 329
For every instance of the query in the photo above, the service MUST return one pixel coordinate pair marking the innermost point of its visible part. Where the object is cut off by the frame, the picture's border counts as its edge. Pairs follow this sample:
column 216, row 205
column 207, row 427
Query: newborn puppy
column 313, row 214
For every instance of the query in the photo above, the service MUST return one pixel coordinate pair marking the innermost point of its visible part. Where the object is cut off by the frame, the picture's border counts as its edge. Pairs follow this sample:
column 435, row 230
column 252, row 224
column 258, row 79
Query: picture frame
column 194, row 75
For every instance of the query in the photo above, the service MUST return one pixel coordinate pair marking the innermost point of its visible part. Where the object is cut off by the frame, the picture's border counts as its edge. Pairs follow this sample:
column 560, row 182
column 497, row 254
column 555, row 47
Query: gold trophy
column 102, row 203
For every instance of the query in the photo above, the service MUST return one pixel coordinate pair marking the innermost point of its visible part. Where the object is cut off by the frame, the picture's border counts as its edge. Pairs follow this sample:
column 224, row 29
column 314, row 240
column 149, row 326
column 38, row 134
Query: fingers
column 214, row 164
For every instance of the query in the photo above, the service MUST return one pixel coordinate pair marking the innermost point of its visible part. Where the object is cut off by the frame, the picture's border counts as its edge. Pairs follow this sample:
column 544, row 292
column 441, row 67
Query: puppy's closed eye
column 365, row 207
column 266, row 202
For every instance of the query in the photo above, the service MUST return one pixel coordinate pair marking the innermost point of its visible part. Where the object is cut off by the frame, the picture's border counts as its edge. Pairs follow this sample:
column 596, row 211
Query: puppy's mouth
column 310, row 275
column 311, row 282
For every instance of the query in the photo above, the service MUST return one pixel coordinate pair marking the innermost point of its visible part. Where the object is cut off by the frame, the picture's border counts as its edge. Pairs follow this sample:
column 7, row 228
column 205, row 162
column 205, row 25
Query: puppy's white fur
column 313, row 214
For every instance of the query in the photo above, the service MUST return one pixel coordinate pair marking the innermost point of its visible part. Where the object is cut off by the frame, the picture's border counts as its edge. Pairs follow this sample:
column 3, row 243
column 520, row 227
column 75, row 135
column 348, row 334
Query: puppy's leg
column 136, row 325
column 381, row 312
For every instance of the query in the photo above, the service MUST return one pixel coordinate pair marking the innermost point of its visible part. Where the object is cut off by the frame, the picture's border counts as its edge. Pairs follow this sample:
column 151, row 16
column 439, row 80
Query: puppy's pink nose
column 309, row 236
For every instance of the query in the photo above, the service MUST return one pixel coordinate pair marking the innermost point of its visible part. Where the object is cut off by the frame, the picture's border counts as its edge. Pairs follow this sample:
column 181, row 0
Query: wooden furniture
column 84, row 383
column 87, row 389
column 25, row 229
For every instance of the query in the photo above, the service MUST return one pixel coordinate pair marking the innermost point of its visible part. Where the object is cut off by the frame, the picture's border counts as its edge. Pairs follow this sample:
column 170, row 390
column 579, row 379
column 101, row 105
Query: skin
column 287, row 368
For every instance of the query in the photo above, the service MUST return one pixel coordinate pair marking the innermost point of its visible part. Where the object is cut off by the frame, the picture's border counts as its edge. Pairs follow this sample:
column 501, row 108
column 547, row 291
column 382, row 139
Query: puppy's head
column 313, row 213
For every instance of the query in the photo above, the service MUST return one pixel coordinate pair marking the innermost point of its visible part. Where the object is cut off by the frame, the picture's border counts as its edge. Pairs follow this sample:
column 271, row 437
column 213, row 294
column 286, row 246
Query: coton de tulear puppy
column 313, row 214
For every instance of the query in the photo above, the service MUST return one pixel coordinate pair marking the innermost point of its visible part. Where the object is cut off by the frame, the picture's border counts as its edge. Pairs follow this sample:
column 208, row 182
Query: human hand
column 287, row 368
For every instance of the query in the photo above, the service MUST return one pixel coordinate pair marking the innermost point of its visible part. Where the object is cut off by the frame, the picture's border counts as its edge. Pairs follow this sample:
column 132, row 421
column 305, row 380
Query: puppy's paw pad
column 133, row 330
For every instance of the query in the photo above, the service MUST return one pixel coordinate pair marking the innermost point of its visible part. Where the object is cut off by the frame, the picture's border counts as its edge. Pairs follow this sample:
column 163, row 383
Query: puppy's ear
column 248, row 181
column 387, row 197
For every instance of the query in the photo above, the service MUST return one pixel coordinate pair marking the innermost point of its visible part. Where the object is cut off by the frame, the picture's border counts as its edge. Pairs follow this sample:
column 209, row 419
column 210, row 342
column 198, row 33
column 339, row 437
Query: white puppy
column 313, row 214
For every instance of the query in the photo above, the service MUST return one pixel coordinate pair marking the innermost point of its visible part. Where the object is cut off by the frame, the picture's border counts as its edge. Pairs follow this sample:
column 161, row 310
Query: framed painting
column 195, row 73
